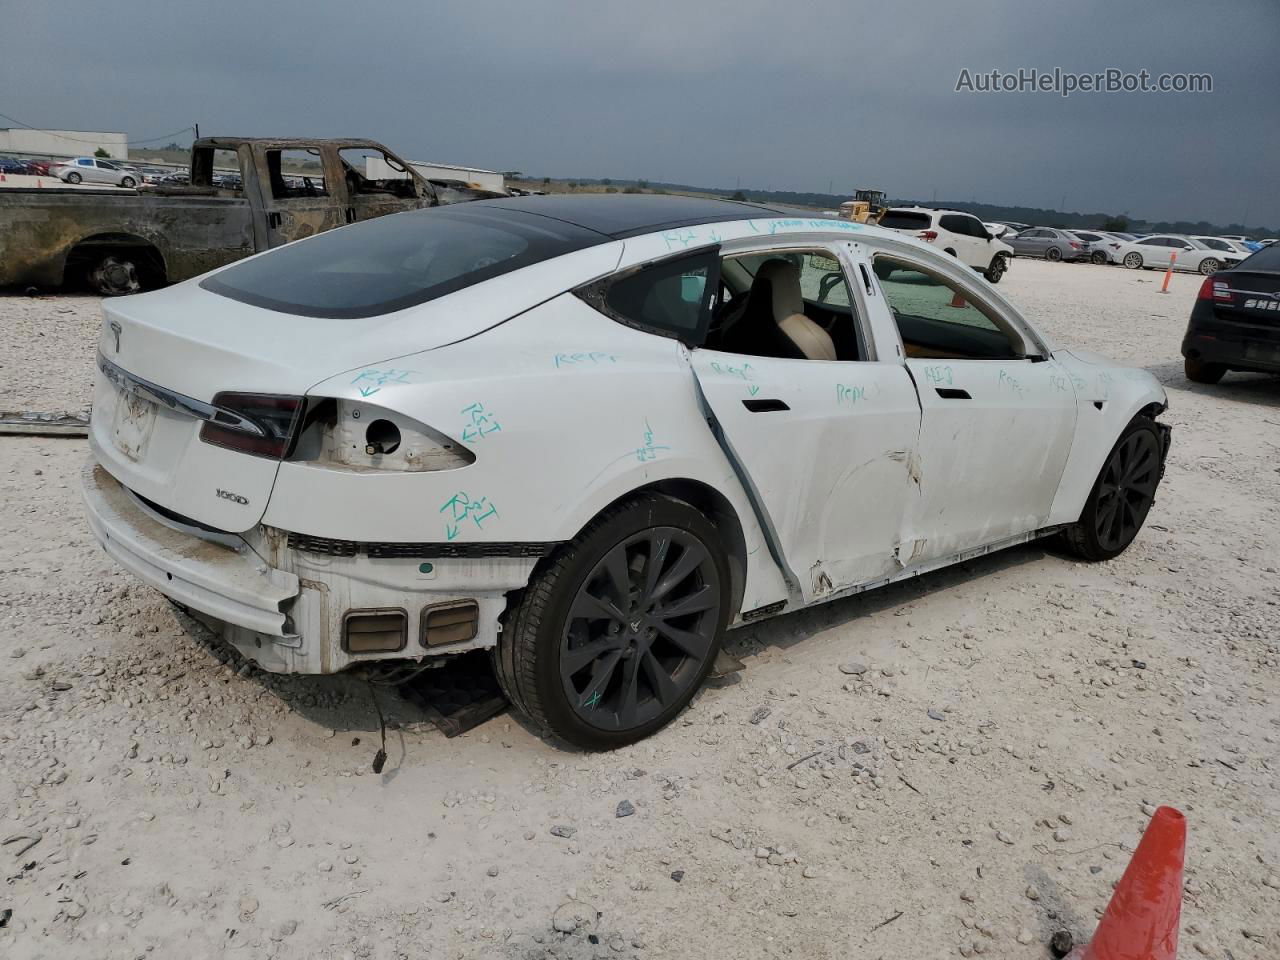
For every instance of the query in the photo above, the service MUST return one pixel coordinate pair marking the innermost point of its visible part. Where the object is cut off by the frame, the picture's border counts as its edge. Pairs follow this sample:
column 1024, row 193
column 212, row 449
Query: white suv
column 960, row 234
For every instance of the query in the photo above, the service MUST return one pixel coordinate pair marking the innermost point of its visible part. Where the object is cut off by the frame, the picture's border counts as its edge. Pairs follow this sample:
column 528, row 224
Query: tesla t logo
column 233, row 497
column 115, row 331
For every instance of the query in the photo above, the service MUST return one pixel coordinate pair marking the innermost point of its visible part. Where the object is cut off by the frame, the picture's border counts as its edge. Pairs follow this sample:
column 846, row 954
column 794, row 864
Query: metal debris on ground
column 43, row 423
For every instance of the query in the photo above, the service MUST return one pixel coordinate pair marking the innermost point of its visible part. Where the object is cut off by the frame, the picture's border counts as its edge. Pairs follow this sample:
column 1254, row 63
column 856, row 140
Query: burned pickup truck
column 243, row 196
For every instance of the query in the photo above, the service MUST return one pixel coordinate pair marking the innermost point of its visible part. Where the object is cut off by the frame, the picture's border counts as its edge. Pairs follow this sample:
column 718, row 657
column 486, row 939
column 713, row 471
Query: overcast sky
column 783, row 95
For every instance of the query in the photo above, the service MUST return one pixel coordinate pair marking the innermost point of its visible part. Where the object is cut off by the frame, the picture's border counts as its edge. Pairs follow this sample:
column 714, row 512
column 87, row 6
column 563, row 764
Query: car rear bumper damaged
column 293, row 610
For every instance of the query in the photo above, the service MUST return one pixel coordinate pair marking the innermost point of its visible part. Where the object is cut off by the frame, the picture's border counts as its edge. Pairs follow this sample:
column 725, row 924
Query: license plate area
column 1265, row 352
column 133, row 424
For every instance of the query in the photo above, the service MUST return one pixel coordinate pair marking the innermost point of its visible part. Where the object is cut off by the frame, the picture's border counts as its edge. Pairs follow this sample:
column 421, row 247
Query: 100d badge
column 233, row 497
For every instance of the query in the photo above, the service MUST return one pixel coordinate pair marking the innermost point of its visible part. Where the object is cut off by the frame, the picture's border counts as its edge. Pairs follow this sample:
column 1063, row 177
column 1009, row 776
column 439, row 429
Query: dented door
column 826, row 449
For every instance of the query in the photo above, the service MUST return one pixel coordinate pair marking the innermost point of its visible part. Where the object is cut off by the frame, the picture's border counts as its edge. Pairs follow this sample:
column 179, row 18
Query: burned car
column 590, row 434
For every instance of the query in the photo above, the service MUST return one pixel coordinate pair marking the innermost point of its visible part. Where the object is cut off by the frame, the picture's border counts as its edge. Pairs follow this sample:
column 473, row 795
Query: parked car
column 351, row 451
column 1156, row 252
column 1225, row 246
column 1235, row 323
column 1249, row 244
column 999, row 230
column 960, row 234
column 1050, row 243
column 95, row 170
column 1097, row 245
column 38, row 168
column 12, row 165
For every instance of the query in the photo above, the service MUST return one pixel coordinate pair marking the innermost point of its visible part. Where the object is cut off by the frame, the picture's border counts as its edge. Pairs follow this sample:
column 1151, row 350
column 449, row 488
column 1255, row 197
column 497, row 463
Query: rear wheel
column 128, row 183
column 74, row 178
column 1210, row 266
column 1133, row 260
column 1053, row 254
column 115, row 276
column 617, row 630
column 1202, row 372
column 1121, row 496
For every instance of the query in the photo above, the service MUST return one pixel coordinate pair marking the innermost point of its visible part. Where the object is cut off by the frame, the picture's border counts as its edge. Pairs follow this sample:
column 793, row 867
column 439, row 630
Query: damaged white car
column 592, row 434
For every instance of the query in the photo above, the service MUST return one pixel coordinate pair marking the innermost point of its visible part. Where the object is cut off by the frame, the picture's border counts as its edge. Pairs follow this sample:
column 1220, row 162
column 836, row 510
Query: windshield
column 393, row 262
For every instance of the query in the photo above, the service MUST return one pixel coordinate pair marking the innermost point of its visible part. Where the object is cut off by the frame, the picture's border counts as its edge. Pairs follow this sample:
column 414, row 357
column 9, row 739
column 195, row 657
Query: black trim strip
column 386, row 550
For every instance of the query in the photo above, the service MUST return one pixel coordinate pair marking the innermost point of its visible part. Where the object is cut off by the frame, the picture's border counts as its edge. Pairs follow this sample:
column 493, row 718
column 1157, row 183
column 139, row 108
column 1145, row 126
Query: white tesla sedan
column 590, row 434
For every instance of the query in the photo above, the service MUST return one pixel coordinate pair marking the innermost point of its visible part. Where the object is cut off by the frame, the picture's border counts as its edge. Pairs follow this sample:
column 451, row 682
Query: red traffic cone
column 1141, row 921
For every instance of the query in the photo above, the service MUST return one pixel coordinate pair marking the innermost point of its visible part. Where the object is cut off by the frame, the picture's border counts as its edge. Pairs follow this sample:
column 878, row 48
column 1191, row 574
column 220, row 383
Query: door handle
column 765, row 406
column 949, row 393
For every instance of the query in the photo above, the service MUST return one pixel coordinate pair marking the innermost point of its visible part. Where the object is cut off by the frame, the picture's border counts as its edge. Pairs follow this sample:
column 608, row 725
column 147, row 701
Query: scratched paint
column 479, row 424
column 373, row 379
column 461, row 509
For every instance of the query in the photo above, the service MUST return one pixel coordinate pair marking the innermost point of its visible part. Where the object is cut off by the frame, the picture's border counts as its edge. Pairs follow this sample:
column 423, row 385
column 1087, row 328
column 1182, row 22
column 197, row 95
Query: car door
column 1031, row 243
column 1157, row 251
column 302, row 192
column 87, row 169
column 106, row 172
column 998, row 413
column 825, row 448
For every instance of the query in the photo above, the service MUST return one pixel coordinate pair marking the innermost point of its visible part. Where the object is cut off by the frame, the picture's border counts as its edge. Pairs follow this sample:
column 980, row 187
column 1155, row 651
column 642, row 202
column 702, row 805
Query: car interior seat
column 774, row 323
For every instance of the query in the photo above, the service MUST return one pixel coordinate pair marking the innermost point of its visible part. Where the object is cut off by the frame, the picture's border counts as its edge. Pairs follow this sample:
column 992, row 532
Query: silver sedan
column 96, row 170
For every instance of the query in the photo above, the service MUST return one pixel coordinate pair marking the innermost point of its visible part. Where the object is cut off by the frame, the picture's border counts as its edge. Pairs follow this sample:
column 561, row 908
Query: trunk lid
column 195, row 344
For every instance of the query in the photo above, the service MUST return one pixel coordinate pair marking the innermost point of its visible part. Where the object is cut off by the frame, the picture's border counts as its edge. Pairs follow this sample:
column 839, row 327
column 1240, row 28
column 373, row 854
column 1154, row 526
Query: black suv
column 1235, row 324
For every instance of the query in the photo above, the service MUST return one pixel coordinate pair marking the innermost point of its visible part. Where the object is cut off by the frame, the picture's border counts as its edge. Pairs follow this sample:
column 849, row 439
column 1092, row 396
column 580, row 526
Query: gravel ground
column 955, row 766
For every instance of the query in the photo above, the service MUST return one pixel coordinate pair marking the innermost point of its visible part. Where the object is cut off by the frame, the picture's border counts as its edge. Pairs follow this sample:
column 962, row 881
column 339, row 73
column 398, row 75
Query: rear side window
column 393, row 262
column 671, row 298
column 1267, row 259
column 905, row 220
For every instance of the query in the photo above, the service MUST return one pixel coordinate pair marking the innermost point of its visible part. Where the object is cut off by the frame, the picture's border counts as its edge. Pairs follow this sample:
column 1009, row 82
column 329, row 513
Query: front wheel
column 996, row 269
column 1133, row 260
column 617, row 630
column 1098, row 257
column 1121, row 496
column 1210, row 266
column 1201, row 372
column 1053, row 254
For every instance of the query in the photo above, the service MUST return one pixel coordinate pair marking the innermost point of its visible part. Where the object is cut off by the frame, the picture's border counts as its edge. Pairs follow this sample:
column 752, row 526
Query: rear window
column 905, row 220
column 393, row 262
column 1268, row 259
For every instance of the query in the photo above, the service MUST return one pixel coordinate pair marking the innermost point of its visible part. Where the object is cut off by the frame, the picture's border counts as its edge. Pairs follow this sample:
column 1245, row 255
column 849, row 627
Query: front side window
column 936, row 319
column 296, row 174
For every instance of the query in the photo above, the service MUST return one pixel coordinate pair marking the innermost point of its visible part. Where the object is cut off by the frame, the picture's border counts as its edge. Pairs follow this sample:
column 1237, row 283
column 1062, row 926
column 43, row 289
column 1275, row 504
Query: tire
column 1209, row 266
column 996, row 269
column 1201, row 372
column 128, row 183
column 660, row 659
column 1128, row 479
column 115, row 276
column 1133, row 260
column 1053, row 254
column 74, row 178
column 1098, row 257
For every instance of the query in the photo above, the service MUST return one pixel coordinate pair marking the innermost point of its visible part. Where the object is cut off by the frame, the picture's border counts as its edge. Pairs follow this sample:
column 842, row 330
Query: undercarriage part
column 44, row 424
column 459, row 696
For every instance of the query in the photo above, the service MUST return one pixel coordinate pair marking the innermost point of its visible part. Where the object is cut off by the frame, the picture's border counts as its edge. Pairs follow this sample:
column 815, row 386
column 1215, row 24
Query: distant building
column 63, row 143
column 377, row 168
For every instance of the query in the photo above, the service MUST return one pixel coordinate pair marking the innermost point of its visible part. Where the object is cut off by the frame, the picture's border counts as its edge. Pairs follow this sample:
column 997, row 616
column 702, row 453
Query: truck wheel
column 74, row 178
column 115, row 276
column 1121, row 496
column 1201, row 372
column 1053, row 254
column 997, row 268
column 617, row 630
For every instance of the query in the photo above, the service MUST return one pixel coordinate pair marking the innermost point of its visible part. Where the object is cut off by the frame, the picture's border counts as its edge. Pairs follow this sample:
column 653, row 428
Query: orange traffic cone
column 958, row 301
column 1141, row 921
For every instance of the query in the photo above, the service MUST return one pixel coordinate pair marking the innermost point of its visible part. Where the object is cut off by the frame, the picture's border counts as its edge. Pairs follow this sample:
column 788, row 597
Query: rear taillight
column 1213, row 289
column 1075, row 246
column 928, row 236
column 256, row 423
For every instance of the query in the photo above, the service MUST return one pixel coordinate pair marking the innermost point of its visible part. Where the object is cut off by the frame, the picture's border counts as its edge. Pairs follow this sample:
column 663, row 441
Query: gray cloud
column 789, row 96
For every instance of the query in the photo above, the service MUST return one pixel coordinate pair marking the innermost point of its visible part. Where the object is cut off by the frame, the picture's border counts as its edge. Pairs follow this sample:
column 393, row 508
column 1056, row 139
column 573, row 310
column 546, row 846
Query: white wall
column 63, row 143
column 377, row 168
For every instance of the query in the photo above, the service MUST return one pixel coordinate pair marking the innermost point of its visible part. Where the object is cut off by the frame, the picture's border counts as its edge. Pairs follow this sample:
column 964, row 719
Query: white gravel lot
column 184, row 807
